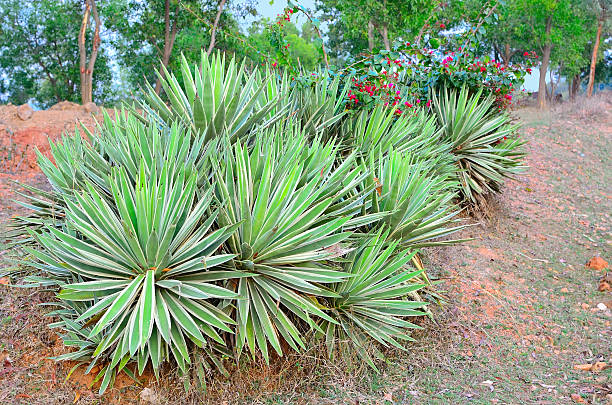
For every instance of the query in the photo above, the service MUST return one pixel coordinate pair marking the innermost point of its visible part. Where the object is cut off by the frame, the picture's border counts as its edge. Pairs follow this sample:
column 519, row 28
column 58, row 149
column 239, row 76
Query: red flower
column 442, row 25
column 526, row 54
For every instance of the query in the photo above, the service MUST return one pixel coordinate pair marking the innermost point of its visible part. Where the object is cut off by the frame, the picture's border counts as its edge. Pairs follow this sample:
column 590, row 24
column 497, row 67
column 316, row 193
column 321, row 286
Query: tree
column 549, row 24
column 39, row 53
column 602, row 7
column 213, row 31
column 342, row 42
column 161, row 29
column 505, row 36
column 390, row 19
column 86, row 66
column 572, row 59
column 302, row 50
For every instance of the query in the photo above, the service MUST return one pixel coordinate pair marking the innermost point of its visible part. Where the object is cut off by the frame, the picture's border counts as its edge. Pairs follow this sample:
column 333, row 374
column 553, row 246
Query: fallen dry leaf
column 4, row 280
column 595, row 368
column 605, row 283
column 578, row 399
column 22, row 396
column 597, row 263
column 378, row 186
column 148, row 396
column 583, row 367
column 599, row 366
column 388, row 397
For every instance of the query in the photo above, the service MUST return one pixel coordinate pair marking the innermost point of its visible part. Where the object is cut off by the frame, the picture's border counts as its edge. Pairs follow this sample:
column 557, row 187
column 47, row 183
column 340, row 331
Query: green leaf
column 120, row 305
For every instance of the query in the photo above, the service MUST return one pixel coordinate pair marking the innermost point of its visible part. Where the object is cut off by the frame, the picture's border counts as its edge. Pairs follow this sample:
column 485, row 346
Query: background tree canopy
column 39, row 49
column 39, row 55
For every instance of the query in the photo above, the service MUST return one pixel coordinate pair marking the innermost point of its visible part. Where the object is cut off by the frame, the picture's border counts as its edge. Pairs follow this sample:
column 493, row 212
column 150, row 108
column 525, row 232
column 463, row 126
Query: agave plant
column 418, row 196
column 210, row 225
column 294, row 208
column 320, row 105
column 215, row 98
column 371, row 304
column 377, row 131
column 146, row 266
column 125, row 141
column 482, row 140
column 89, row 156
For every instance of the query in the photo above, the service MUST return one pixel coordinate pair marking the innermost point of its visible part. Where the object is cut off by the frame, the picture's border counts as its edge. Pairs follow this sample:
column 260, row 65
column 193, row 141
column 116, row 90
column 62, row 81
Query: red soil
column 20, row 139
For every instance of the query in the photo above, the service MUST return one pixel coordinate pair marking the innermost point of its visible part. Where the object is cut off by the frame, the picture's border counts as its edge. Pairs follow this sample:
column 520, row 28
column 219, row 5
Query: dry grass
column 312, row 378
column 596, row 108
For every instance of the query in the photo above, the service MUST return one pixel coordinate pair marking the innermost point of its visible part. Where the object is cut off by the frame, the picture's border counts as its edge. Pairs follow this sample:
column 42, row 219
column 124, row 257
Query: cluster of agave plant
column 245, row 215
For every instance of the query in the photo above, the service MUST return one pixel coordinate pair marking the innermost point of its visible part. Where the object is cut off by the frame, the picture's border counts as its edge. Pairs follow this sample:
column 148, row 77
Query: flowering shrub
column 281, row 45
column 406, row 76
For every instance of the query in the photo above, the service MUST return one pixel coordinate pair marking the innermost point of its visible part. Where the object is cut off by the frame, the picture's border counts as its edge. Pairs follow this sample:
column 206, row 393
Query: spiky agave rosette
column 236, row 229
column 483, row 141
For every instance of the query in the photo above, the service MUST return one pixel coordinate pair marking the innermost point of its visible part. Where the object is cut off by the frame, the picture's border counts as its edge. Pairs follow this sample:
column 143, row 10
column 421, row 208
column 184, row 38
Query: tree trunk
column 213, row 32
column 551, row 95
column 594, row 55
column 86, row 66
column 554, row 85
column 169, row 37
column 574, row 87
column 507, row 55
column 370, row 36
column 544, row 65
column 385, row 37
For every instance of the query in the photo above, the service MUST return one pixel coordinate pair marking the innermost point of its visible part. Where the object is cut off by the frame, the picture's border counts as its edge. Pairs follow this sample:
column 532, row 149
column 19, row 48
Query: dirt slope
column 20, row 138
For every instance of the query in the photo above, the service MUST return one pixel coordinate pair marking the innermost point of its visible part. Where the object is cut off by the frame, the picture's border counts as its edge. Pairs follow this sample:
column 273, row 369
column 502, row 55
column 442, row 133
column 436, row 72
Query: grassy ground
column 522, row 308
